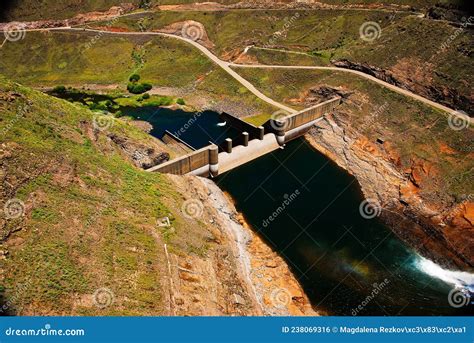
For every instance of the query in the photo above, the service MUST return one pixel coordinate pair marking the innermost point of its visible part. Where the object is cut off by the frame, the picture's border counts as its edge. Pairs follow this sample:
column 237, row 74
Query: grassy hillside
column 76, row 59
column 65, row 58
column 416, row 131
column 26, row 10
column 431, row 58
column 89, row 216
column 61, row 9
column 226, row 30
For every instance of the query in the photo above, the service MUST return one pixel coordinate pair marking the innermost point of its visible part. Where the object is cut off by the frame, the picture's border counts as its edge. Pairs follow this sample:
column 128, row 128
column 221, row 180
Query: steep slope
column 82, row 227
column 85, row 231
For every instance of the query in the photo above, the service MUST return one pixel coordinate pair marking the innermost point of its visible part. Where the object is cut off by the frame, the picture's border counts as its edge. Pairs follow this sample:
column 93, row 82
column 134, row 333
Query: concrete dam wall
column 252, row 143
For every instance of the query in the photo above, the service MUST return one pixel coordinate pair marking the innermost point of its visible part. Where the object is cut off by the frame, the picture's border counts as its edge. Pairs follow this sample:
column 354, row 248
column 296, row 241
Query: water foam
column 453, row 277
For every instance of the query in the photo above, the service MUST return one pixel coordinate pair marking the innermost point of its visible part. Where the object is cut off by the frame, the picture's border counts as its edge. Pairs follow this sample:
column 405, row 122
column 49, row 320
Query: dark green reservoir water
column 196, row 129
column 339, row 257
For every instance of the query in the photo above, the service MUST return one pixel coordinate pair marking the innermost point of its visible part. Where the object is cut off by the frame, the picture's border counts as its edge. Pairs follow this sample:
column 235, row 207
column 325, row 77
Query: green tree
column 134, row 78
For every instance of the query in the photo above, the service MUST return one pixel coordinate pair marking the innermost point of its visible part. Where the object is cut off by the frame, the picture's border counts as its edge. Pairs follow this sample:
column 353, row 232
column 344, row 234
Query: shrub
column 180, row 101
column 138, row 88
column 134, row 78
column 144, row 4
column 146, row 96
column 59, row 89
column 135, row 88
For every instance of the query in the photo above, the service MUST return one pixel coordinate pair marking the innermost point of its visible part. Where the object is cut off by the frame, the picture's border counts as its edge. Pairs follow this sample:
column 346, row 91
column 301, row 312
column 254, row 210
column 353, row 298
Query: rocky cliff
column 440, row 231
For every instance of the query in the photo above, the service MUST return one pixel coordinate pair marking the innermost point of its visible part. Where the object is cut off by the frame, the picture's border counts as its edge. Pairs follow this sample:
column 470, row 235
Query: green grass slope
column 89, row 216
column 431, row 58
column 62, row 9
column 75, row 59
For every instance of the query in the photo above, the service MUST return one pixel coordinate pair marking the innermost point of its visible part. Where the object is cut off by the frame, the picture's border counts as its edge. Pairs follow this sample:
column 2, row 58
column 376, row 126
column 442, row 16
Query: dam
column 339, row 257
column 247, row 143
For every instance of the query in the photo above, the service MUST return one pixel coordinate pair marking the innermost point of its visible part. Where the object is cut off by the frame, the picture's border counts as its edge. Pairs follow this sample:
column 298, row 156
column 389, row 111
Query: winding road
column 226, row 66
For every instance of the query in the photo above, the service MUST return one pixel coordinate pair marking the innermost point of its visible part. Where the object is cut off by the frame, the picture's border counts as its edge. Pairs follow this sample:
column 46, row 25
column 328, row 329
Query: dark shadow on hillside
column 5, row 8
column 5, row 309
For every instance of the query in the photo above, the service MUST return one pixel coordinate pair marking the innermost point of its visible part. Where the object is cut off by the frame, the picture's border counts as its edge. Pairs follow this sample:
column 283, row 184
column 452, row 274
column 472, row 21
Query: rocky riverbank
column 275, row 287
column 239, row 274
column 439, row 231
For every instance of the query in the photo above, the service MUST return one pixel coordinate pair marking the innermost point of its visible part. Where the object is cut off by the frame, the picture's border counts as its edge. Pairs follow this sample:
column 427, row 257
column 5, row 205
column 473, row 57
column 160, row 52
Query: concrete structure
column 243, row 154
column 253, row 143
column 253, row 131
column 180, row 145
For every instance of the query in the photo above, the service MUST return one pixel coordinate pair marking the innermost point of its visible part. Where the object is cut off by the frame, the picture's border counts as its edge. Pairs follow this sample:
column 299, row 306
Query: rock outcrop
column 415, row 76
column 442, row 232
column 239, row 275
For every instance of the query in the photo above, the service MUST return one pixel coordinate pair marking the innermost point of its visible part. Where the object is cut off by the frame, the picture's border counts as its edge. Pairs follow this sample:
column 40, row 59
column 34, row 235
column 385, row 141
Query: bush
column 134, row 78
column 144, row 4
column 180, row 101
column 98, row 107
column 135, row 88
column 146, row 96
column 59, row 89
column 138, row 88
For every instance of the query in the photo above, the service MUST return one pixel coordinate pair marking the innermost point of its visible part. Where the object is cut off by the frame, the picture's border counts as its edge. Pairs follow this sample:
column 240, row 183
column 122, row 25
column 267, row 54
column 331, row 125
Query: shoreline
column 275, row 288
column 420, row 225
